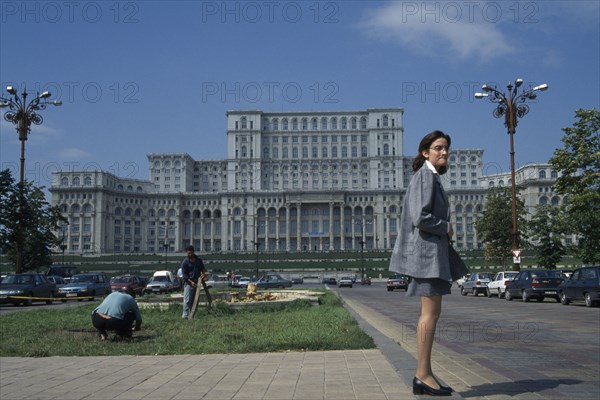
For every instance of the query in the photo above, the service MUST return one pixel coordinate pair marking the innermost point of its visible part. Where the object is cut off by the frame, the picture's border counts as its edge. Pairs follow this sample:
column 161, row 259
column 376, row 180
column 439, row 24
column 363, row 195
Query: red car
column 397, row 281
column 124, row 282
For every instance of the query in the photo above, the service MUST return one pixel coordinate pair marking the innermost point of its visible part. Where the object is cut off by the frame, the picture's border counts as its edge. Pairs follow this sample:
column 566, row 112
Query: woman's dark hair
column 425, row 144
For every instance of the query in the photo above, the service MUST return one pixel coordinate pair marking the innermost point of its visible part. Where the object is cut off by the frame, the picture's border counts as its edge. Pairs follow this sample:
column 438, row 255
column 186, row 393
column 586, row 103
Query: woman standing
column 421, row 250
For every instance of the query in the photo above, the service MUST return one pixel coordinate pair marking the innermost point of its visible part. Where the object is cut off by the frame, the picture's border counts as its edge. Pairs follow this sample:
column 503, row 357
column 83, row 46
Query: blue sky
column 139, row 77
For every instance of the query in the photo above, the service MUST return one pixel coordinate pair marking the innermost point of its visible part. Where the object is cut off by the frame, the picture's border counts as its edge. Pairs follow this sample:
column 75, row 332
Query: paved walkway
column 382, row 373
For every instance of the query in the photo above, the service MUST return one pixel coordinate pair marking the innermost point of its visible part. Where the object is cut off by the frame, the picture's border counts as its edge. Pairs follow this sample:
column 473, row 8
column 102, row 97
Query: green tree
column 578, row 162
column 547, row 229
column 494, row 227
column 37, row 219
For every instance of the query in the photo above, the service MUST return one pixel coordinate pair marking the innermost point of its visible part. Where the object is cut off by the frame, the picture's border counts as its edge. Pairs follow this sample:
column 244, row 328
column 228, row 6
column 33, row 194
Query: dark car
column 59, row 281
column 365, row 280
column 64, row 271
column 397, row 281
column 584, row 284
column 534, row 284
column 297, row 280
column 330, row 281
column 26, row 288
column 85, row 286
column 272, row 281
column 477, row 283
column 126, row 283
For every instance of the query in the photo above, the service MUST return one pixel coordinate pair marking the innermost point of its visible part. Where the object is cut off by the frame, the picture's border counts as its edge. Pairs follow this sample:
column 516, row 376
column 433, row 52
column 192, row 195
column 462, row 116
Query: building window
column 323, row 124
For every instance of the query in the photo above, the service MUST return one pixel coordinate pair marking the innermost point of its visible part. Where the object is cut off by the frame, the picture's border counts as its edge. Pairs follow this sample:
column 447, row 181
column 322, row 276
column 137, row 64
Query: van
column 168, row 274
column 161, row 282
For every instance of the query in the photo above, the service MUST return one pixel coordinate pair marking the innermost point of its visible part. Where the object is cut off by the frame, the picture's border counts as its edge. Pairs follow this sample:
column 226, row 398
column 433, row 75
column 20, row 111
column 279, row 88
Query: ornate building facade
column 292, row 181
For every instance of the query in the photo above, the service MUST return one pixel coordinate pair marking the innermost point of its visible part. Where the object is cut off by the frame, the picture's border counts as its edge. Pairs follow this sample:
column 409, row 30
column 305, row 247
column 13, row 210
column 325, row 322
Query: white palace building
column 292, row 181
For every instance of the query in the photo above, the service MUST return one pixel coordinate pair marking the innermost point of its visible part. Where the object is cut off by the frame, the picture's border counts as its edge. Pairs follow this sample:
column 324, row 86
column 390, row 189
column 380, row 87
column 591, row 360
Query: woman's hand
column 450, row 233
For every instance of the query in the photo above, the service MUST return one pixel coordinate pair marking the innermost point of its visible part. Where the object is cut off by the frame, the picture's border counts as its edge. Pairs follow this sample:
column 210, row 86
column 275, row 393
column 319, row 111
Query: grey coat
column 421, row 248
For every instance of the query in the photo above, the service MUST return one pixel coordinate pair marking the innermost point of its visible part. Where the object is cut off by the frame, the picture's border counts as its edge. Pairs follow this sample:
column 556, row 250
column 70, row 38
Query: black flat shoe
column 448, row 388
column 420, row 387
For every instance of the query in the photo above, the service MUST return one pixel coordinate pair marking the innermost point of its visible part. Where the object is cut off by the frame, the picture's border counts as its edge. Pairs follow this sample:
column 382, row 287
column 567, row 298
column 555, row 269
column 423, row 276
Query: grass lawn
column 297, row 326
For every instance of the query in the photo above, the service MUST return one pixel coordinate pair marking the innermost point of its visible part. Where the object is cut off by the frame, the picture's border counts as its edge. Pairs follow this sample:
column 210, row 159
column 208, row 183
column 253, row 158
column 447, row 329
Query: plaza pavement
column 382, row 373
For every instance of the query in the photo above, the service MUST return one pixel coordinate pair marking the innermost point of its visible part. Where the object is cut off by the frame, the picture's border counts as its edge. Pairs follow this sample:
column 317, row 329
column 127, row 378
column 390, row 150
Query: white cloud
column 439, row 32
column 73, row 154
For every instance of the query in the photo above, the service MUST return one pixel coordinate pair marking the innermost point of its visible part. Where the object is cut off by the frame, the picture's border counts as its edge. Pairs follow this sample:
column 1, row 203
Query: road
column 553, row 348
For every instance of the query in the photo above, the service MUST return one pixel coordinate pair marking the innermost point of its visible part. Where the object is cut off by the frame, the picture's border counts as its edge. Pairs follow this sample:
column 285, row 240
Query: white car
column 462, row 280
column 217, row 281
column 242, row 282
column 498, row 285
column 345, row 281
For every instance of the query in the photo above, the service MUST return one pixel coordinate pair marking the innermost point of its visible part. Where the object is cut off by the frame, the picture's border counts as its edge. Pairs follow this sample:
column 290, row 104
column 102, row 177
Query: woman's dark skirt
column 428, row 287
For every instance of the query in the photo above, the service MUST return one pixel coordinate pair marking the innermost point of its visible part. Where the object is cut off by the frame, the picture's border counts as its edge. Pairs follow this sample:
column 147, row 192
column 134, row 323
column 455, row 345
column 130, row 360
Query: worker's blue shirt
column 191, row 269
column 117, row 304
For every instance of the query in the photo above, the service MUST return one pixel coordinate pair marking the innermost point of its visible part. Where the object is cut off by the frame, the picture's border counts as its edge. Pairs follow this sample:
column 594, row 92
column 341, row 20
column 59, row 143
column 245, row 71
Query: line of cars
column 346, row 281
column 30, row 287
column 27, row 288
column 583, row 284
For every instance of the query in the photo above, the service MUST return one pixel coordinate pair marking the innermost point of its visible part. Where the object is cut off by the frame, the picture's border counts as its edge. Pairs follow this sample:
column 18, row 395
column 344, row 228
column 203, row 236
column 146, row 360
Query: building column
column 299, row 227
column 331, row 224
column 287, row 227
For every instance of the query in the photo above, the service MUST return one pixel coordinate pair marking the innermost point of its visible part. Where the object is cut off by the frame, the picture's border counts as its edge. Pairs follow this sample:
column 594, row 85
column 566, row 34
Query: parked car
column 125, row 283
column 84, row 286
column 462, row 280
column 365, row 280
column 584, row 284
column 241, row 282
column 66, row 272
column 497, row 286
column 397, row 281
column 330, row 281
column 345, row 281
column 217, row 281
column 272, row 281
column 160, row 284
column 297, row 280
column 59, row 281
column 534, row 284
column 477, row 283
column 31, row 285
column 565, row 274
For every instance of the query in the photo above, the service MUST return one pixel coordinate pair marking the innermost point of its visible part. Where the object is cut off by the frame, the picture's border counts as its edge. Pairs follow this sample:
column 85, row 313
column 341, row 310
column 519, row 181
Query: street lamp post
column 257, row 245
column 23, row 114
column 63, row 246
column 166, row 250
column 510, row 106
column 362, row 259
